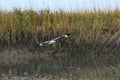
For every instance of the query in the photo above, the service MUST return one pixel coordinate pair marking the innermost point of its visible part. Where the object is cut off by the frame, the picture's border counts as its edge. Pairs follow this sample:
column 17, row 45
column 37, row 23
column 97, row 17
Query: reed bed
column 28, row 27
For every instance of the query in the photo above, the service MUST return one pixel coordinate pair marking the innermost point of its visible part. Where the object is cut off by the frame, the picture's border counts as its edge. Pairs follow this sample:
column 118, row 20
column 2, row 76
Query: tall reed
column 28, row 27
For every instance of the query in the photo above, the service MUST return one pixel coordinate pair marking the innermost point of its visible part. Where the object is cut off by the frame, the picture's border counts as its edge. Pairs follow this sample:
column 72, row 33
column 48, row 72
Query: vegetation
column 94, row 41
column 27, row 27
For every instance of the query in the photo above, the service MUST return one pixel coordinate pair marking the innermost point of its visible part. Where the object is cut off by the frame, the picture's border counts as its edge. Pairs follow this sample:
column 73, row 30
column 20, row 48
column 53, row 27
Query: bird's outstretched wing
column 56, row 38
column 64, row 36
column 53, row 40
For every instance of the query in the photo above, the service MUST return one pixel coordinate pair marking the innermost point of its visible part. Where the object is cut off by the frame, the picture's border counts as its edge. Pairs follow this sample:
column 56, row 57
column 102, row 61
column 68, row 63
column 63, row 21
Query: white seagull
column 53, row 41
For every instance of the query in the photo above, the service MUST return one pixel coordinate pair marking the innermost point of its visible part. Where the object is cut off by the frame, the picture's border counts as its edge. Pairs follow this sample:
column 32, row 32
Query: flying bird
column 53, row 41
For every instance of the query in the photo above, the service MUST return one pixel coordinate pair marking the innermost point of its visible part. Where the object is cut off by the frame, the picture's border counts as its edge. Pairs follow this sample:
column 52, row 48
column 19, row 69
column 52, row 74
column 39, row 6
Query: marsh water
column 23, row 62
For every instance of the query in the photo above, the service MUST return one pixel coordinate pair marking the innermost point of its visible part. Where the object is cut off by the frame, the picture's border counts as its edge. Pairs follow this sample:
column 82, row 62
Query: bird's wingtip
column 40, row 44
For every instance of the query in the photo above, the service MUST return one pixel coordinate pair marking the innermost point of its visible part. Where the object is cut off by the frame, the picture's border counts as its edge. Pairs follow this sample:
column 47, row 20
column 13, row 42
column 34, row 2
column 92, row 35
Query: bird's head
column 68, row 34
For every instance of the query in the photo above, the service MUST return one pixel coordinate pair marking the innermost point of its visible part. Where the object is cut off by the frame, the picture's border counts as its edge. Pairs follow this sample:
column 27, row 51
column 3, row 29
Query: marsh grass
column 28, row 27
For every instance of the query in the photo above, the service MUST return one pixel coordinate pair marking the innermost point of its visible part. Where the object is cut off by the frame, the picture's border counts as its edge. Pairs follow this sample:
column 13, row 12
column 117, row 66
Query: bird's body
column 53, row 41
